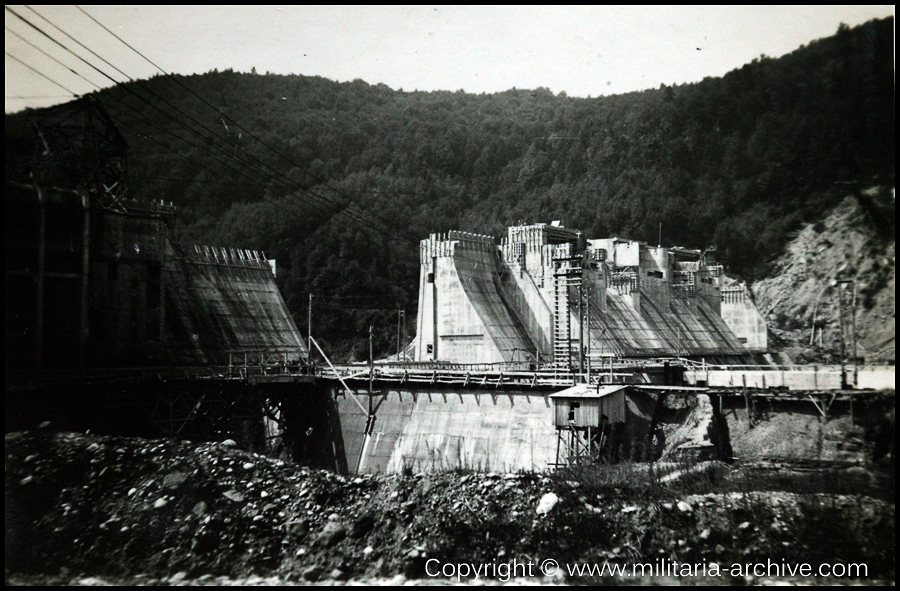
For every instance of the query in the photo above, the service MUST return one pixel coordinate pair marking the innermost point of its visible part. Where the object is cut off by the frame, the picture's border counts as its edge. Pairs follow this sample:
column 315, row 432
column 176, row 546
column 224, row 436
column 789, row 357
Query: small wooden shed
column 584, row 416
column 583, row 406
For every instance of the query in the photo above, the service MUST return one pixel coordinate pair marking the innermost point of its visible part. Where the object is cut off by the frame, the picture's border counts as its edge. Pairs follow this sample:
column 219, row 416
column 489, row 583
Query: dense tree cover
column 739, row 161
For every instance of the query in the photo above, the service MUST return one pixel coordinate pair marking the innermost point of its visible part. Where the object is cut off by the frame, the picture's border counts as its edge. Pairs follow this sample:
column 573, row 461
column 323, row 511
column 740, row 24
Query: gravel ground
column 83, row 509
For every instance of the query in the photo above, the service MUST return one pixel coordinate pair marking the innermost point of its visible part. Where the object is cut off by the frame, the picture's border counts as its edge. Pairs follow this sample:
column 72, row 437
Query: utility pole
column 570, row 367
column 309, row 328
column 399, row 314
column 840, row 286
column 853, row 324
column 581, row 324
column 588, row 299
column 39, row 299
column 371, row 366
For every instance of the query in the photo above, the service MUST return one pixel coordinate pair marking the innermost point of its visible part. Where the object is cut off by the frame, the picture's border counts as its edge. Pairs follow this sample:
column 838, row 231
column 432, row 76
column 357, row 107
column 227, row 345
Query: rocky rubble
column 86, row 509
column 800, row 301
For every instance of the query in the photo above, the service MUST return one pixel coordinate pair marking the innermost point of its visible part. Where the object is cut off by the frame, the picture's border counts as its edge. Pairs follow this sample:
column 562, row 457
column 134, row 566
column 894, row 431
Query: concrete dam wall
column 111, row 288
column 511, row 430
column 527, row 298
column 545, row 296
column 744, row 318
column 464, row 315
column 445, row 430
column 483, row 430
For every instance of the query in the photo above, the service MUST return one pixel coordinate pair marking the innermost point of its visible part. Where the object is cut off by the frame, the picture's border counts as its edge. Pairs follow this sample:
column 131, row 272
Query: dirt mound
column 799, row 437
column 854, row 241
column 152, row 511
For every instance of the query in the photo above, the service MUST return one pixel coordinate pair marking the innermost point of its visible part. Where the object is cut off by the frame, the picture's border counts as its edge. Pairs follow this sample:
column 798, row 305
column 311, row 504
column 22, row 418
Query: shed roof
column 589, row 391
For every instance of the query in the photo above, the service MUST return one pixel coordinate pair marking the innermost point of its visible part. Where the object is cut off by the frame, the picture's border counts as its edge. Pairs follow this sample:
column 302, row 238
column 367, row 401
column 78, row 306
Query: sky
column 580, row 50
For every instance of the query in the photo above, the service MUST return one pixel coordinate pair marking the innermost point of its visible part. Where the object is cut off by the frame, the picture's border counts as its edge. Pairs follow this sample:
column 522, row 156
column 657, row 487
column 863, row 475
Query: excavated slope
column 855, row 241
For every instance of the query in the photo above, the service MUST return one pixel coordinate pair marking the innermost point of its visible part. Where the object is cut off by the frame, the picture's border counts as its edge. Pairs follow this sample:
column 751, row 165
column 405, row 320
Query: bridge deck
column 260, row 374
column 551, row 379
column 772, row 383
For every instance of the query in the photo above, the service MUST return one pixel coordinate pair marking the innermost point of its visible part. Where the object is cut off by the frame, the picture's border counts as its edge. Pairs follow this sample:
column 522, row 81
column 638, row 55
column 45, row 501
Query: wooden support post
column 84, row 325
column 816, row 404
column 746, row 399
column 581, row 327
column 39, row 299
column 824, row 407
column 843, row 350
column 161, row 241
column 568, row 313
column 853, row 329
column 399, row 317
column 371, row 366
column 558, row 442
column 588, row 322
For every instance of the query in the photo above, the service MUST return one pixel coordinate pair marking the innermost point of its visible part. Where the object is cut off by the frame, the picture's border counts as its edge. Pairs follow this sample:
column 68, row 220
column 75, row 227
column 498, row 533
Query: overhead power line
column 36, row 96
column 145, row 121
column 143, row 87
column 290, row 207
column 318, row 206
column 51, row 57
column 41, row 74
column 324, row 205
column 347, row 199
column 174, row 119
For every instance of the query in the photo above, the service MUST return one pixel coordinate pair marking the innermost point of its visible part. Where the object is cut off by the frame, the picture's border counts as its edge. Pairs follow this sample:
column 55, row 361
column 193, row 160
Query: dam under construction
column 547, row 349
column 543, row 349
column 572, row 356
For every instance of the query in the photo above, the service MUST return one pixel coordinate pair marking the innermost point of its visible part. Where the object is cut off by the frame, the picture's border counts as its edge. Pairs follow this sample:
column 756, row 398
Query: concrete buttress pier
column 464, row 314
column 546, row 293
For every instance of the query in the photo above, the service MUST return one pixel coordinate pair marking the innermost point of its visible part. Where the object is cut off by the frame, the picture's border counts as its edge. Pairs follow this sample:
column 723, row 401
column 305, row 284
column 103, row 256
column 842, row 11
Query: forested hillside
column 355, row 174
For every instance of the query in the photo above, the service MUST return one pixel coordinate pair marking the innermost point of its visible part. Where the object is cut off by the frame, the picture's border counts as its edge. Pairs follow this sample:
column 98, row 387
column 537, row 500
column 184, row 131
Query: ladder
column 567, row 274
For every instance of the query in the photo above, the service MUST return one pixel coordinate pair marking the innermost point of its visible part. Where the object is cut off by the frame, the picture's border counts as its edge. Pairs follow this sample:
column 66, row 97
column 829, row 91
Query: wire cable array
column 324, row 201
